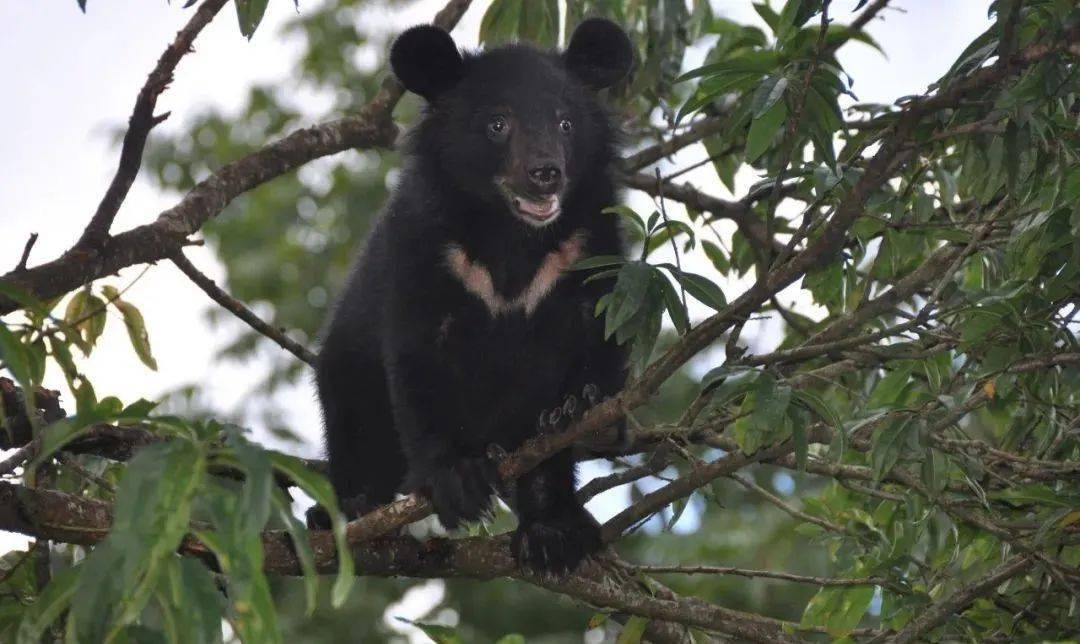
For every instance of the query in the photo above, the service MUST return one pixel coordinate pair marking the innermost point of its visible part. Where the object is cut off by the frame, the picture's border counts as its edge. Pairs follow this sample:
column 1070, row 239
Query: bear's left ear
column 600, row 53
column 426, row 61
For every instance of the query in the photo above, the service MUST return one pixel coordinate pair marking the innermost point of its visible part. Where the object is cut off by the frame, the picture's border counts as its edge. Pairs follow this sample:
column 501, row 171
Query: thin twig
column 697, row 131
column 237, row 308
column 671, row 234
column 766, row 574
column 694, row 166
column 21, row 266
column 786, row 507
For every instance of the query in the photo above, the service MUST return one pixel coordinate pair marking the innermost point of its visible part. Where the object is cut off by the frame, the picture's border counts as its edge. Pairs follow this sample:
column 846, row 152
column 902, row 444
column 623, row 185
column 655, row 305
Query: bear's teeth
column 539, row 209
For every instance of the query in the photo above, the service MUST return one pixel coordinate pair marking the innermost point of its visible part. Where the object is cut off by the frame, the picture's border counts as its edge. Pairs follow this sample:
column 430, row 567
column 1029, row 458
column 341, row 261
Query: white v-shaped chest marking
column 476, row 278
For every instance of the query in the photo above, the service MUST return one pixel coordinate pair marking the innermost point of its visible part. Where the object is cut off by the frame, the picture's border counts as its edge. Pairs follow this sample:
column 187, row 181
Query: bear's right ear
column 426, row 61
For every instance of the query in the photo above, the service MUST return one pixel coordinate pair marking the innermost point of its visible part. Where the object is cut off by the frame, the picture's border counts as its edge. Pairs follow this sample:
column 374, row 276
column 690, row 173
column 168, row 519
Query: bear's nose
column 545, row 177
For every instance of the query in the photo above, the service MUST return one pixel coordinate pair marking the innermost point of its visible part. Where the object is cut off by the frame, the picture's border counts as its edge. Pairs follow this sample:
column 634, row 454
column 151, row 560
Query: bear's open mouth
column 539, row 210
column 533, row 210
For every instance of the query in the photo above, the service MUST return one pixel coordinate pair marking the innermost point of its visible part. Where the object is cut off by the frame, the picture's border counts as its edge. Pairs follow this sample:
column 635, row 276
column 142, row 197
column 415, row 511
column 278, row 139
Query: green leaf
column 733, row 381
column 889, row 443
column 702, row 288
column 767, row 14
column 839, row 610
column 819, row 408
column 55, row 435
column 249, row 13
column 716, row 256
column 629, row 295
column 438, row 633
column 501, row 22
column 934, row 471
column 629, row 215
column 755, row 62
column 1038, row 495
column 646, row 326
column 319, row 489
column 596, row 261
column 76, row 307
column 762, row 415
column 136, row 328
column 633, row 630
column 15, row 358
column 141, row 408
column 258, row 481
column 890, row 390
column 794, row 15
column 673, row 303
column 193, row 599
column 677, row 509
column 512, row 638
column 50, row 604
column 768, row 93
column 239, row 553
column 772, row 404
column 302, row 545
column 763, row 130
column 38, row 309
column 152, row 512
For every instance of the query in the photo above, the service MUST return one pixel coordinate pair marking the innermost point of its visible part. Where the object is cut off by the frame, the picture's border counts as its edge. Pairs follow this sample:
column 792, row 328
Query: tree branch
column 737, row 211
column 938, row 612
column 237, row 308
column 369, row 128
column 141, row 122
column 698, row 130
column 71, row 519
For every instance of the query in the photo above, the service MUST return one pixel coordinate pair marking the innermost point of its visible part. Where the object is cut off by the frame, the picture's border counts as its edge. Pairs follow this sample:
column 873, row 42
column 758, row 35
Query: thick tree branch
column 70, row 519
column 371, row 127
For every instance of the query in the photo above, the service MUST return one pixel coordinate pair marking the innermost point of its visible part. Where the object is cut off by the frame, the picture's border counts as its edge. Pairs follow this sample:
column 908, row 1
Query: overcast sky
column 70, row 80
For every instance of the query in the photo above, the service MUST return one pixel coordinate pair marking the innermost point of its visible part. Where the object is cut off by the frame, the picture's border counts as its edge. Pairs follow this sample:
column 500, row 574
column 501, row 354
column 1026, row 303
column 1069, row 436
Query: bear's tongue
column 540, row 209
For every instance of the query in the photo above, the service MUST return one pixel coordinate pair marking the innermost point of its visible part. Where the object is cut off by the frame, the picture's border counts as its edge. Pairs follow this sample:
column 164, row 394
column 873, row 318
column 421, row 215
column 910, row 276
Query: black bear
column 459, row 325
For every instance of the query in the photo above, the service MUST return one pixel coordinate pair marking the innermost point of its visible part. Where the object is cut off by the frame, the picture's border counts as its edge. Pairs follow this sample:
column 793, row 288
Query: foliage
column 910, row 436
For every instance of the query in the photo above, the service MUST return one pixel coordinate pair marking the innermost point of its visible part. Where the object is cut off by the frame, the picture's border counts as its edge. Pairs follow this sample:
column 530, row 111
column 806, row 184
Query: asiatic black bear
column 459, row 325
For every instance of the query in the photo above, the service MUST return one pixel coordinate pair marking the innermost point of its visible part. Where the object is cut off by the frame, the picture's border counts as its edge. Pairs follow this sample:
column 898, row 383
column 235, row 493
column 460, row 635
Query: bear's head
column 515, row 128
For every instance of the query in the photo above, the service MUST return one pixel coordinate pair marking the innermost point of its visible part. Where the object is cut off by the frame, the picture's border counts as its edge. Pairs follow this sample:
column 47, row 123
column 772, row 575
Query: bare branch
column 237, row 308
column 21, row 266
column 141, row 122
column 764, row 574
column 698, row 130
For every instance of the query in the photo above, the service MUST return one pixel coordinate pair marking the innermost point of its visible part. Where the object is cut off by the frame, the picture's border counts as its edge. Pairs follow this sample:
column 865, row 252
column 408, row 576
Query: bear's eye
column 497, row 126
column 565, row 125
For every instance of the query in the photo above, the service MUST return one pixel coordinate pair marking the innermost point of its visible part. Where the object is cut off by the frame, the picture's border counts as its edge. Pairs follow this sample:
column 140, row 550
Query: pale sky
column 70, row 80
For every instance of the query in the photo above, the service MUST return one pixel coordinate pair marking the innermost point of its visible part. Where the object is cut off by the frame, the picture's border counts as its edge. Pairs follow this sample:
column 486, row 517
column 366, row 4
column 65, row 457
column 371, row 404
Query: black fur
column 416, row 376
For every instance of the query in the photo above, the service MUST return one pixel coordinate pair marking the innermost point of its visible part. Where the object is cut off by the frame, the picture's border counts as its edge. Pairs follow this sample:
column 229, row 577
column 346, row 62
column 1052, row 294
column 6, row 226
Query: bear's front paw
column 461, row 492
column 556, row 545
column 560, row 418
